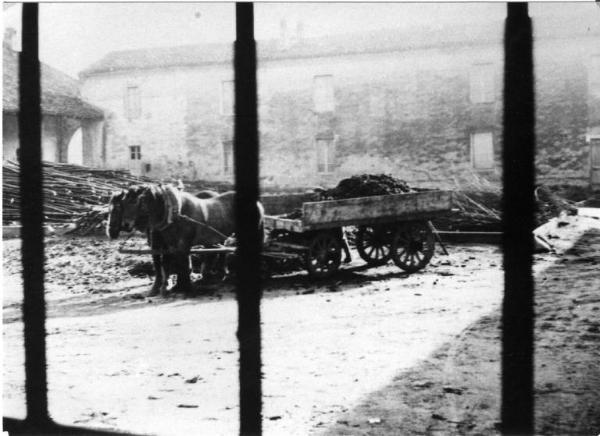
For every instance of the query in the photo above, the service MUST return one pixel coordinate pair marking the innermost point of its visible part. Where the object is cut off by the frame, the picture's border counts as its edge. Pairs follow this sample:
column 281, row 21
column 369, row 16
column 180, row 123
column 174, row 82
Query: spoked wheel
column 413, row 246
column 324, row 255
column 374, row 244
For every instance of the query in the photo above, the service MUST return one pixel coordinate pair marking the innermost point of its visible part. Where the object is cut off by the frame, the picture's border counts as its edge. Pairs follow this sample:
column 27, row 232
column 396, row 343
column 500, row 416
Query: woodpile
column 478, row 206
column 72, row 193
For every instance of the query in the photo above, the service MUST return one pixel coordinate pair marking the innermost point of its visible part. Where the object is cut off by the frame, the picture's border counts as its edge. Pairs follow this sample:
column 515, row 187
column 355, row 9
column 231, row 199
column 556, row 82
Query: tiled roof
column 338, row 45
column 60, row 93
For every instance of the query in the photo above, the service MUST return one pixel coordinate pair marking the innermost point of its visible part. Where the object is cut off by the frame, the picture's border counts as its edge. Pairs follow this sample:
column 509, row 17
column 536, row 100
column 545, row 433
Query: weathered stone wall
column 10, row 136
column 404, row 113
column 56, row 134
column 565, row 110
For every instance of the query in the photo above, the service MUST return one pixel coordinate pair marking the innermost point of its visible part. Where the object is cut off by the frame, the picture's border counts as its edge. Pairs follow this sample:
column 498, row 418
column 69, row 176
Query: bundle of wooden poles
column 478, row 204
column 71, row 192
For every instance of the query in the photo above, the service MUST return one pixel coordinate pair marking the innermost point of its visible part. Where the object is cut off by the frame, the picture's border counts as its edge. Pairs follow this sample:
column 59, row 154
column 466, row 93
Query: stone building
column 63, row 114
column 423, row 105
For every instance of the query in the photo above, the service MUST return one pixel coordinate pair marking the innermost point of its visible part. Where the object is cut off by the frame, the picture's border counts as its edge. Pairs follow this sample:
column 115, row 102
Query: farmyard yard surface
column 169, row 366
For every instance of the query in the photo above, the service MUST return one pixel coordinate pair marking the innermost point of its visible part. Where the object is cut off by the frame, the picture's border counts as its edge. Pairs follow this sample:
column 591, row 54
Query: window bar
column 32, row 236
column 37, row 420
column 247, row 221
column 518, row 206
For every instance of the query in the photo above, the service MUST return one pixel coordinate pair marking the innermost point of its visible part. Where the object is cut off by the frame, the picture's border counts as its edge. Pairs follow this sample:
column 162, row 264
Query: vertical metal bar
column 247, row 221
column 518, row 206
column 32, row 235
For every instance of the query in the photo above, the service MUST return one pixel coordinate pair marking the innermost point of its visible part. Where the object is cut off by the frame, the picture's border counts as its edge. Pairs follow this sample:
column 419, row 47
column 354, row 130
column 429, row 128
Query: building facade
column 425, row 107
column 63, row 114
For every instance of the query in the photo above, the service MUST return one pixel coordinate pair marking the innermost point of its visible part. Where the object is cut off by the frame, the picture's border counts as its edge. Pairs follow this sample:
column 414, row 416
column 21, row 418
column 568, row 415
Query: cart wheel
column 324, row 255
column 374, row 244
column 412, row 246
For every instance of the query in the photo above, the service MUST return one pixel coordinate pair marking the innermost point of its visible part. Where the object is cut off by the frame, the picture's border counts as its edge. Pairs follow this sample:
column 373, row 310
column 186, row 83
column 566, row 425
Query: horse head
column 151, row 207
column 115, row 214
column 134, row 214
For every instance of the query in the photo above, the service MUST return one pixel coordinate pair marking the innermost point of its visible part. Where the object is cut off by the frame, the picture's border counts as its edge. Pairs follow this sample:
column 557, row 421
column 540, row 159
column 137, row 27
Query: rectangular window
column 135, row 152
column 323, row 93
column 325, row 155
column 133, row 104
column 481, row 83
column 594, row 76
column 482, row 151
column 227, row 97
column 227, row 157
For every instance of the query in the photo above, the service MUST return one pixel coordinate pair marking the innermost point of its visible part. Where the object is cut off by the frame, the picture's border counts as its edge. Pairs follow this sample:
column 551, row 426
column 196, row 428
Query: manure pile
column 366, row 185
column 363, row 185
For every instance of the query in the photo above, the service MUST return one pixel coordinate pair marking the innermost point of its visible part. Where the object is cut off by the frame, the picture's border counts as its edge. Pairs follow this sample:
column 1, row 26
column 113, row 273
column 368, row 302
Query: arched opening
column 75, row 148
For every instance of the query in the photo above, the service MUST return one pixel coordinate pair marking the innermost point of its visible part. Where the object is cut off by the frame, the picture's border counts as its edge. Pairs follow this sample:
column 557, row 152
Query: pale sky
column 74, row 35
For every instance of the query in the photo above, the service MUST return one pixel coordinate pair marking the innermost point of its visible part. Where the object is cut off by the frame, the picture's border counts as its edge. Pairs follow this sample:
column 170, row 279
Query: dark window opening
column 135, row 152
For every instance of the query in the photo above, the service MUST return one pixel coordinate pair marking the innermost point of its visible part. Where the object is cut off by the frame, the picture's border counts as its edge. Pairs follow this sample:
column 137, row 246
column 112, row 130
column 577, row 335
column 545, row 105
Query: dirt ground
column 456, row 390
column 367, row 352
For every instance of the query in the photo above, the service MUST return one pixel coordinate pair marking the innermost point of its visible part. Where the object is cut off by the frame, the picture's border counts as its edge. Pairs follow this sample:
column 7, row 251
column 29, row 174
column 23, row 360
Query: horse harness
column 173, row 212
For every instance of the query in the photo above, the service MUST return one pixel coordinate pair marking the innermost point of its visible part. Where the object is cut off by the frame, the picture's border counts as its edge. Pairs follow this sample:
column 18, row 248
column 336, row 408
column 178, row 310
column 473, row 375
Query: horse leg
column 204, row 267
column 158, row 275
column 220, row 266
column 183, row 269
column 158, row 263
column 166, row 268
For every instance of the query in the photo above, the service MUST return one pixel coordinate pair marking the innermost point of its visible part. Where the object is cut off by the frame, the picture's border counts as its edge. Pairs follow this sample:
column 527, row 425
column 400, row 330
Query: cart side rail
column 376, row 209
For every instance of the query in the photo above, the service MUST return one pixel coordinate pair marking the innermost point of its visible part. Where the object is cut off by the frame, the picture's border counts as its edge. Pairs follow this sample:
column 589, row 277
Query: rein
column 206, row 226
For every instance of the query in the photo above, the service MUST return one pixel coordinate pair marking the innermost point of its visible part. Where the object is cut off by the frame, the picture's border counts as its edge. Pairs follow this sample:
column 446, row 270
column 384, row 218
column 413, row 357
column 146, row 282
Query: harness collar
column 172, row 206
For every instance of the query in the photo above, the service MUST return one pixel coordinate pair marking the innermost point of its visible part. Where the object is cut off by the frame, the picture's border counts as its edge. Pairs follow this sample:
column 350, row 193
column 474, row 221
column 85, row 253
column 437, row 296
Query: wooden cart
column 393, row 227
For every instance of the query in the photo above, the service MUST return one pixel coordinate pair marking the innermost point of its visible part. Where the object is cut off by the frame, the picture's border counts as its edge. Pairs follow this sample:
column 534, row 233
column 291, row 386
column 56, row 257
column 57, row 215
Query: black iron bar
column 249, row 237
column 518, row 206
column 32, row 235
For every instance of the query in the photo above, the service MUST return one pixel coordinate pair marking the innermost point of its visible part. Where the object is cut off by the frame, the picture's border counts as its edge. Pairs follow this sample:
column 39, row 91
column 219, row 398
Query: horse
column 123, row 202
column 179, row 220
column 121, row 216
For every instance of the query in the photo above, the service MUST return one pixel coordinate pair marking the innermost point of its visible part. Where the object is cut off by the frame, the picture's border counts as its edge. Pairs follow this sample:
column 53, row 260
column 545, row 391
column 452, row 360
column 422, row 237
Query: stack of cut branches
column 478, row 205
column 472, row 211
column 70, row 191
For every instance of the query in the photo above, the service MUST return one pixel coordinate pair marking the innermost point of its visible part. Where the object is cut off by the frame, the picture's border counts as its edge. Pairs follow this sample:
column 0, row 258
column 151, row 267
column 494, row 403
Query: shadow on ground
column 457, row 389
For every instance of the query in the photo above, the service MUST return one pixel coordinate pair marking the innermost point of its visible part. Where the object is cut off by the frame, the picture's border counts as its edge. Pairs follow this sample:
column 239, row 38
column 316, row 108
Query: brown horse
column 176, row 221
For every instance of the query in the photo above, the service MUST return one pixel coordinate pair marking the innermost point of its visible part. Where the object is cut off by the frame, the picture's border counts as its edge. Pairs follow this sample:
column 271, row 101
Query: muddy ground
column 368, row 352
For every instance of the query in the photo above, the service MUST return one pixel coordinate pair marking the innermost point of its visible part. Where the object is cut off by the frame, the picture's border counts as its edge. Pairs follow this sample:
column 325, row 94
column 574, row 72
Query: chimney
column 9, row 38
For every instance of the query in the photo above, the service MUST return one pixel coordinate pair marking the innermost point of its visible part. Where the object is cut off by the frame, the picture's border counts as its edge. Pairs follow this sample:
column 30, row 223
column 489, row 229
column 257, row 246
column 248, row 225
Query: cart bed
column 365, row 210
